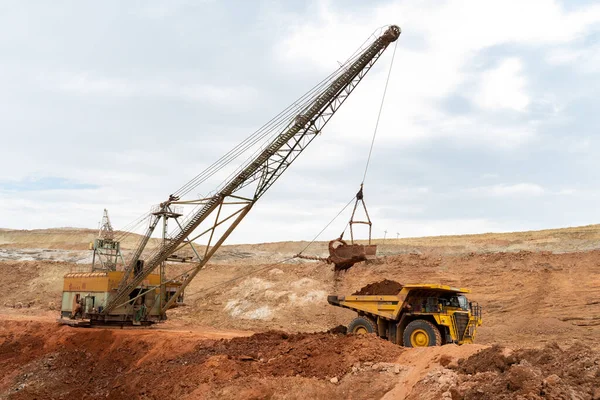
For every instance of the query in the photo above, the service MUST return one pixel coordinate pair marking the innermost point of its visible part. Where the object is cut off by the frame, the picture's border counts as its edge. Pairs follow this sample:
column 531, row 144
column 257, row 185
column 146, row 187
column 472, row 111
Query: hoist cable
column 379, row 114
column 271, row 127
column 283, row 117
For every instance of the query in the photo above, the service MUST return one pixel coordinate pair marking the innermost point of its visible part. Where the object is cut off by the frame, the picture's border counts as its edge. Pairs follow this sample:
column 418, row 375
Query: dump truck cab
column 418, row 315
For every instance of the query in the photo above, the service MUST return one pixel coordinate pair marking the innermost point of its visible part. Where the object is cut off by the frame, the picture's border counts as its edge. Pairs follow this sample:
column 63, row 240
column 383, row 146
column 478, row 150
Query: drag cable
column 277, row 263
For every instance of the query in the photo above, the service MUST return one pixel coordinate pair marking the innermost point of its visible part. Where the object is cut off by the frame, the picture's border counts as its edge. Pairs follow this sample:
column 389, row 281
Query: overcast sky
column 490, row 122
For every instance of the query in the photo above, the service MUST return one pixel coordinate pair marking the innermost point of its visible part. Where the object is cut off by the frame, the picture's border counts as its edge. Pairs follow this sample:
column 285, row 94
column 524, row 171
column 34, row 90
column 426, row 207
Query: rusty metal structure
column 106, row 249
column 214, row 217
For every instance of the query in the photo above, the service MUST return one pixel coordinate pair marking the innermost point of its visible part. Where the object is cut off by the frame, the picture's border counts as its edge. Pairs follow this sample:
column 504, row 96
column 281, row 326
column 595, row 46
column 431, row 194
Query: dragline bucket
column 344, row 255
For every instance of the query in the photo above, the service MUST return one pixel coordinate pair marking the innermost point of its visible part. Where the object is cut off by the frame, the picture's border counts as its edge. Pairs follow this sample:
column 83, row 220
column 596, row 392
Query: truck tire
column 362, row 326
column 421, row 333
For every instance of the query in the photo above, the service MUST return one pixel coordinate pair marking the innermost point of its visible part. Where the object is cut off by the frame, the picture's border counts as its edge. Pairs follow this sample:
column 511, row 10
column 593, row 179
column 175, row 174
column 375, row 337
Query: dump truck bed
column 386, row 307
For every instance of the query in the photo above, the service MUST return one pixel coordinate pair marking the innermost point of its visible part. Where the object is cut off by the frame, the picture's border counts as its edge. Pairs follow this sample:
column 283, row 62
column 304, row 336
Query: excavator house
column 85, row 293
column 136, row 293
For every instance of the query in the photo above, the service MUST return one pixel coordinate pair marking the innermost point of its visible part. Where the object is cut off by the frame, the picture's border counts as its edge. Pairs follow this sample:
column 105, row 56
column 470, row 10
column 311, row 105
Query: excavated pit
column 522, row 294
column 43, row 360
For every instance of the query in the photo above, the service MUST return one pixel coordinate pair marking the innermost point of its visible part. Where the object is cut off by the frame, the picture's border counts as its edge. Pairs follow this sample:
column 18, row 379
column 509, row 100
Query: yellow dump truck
column 417, row 316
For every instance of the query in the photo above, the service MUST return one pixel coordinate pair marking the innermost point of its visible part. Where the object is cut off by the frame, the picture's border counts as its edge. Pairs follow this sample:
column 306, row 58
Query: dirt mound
column 385, row 287
column 318, row 355
column 494, row 359
column 32, row 283
column 58, row 238
column 548, row 373
column 40, row 360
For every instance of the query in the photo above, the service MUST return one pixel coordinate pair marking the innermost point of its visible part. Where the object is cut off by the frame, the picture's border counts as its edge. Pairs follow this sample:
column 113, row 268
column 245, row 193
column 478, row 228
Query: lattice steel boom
column 263, row 171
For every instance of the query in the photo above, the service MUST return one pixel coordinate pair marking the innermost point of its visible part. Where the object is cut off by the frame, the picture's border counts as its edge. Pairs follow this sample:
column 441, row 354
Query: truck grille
column 461, row 320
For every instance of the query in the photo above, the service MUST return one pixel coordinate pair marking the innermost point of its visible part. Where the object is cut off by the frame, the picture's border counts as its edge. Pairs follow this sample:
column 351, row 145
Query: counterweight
column 263, row 170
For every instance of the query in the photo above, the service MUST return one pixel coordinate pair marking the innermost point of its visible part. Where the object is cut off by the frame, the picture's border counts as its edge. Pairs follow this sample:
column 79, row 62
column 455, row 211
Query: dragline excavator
column 135, row 294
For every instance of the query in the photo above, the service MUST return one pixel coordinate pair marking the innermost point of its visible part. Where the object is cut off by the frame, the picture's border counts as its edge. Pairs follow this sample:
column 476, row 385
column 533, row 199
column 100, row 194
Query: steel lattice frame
column 265, row 169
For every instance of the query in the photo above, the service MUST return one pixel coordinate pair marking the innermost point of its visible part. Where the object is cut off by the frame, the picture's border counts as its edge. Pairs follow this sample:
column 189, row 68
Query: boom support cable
column 337, row 215
column 266, row 167
column 268, row 130
column 359, row 195
column 272, row 126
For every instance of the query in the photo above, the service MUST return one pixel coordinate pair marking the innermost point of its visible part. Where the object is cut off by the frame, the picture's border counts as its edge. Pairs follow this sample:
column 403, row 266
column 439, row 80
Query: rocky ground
column 248, row 329
column 42, row 360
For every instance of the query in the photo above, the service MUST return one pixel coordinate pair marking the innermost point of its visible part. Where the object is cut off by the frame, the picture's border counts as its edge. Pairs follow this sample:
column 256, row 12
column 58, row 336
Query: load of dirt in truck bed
column 383, row 288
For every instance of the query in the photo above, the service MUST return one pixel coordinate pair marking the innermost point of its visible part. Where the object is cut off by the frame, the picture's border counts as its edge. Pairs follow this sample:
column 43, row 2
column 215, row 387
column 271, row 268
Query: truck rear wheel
column 361, row 326
column 421, row 333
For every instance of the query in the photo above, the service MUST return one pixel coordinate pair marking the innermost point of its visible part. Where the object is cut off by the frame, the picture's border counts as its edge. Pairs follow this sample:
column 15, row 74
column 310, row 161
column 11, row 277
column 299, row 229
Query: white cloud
column 435, row 57
column 451, row 28
column 567, row 192
column 476, row 131
column 490, row 176
column 502, row 190
column 564, row 55
column 580, row 145
column 87, row 84
column 503, row 87
column 585, row 59
column 446, row 63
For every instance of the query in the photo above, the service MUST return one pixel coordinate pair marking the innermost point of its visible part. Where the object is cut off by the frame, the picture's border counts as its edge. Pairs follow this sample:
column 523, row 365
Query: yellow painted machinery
column 417, row 316
column 210, row 220
column 85, row 294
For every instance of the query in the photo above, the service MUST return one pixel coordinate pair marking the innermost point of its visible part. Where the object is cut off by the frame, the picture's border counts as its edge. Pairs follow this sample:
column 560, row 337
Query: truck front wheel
column 421, row 333
column 361, row 326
